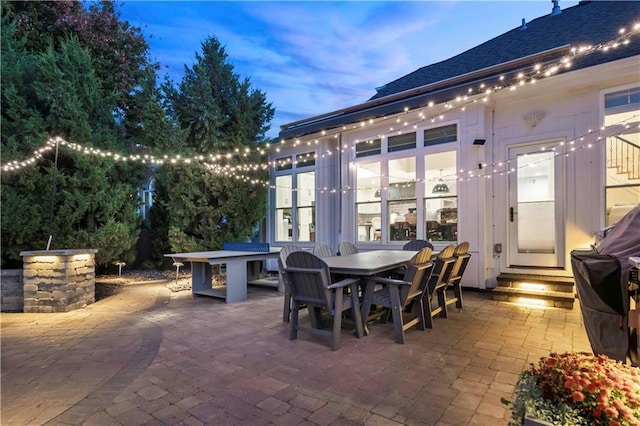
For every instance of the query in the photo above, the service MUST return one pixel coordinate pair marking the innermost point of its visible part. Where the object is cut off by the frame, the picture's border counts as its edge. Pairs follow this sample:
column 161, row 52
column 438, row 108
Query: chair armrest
column 344, row 283
column 391, row 281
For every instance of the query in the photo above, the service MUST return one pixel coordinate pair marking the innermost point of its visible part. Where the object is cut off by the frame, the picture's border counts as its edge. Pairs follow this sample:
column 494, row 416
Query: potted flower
column 577, row 389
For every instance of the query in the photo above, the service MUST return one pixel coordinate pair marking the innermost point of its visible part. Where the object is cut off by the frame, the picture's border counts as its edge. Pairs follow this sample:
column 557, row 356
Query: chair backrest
column 423, row 256
column 345, row 248
column 462, row 256
column 416, row 276
column 441, row 268
column 417, row 245
column 286, row 251
column 309, row 279
column 323, row 250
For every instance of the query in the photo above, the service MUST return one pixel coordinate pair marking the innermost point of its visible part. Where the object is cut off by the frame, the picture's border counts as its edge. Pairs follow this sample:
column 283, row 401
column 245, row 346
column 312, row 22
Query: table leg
column 200, row 277
column 236, row 280
column 366, row 303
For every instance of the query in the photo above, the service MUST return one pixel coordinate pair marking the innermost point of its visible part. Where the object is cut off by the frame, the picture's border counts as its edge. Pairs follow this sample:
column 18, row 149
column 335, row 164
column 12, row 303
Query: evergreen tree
column 53, row 88
column 220, row 114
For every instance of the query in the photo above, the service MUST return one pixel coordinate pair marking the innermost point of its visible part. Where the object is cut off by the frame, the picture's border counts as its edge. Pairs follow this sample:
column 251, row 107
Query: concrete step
column 536, row 290
column 556, row 299
column 539, row 282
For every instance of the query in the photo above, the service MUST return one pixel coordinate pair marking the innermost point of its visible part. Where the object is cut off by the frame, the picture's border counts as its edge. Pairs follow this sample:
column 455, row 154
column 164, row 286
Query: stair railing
column 624, row 155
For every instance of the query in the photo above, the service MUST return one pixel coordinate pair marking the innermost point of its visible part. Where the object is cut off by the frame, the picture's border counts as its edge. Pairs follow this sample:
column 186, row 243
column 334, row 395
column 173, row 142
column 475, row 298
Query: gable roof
column 545, row 38
column 592, row 23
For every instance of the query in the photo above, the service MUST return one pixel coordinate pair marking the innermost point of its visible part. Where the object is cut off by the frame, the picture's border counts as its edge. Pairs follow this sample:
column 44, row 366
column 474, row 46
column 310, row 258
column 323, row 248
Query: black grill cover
column 603, row 302
column 602, row 283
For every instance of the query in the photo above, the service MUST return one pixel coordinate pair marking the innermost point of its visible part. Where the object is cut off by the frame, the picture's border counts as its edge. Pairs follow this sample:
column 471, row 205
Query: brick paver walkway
column 148, row 356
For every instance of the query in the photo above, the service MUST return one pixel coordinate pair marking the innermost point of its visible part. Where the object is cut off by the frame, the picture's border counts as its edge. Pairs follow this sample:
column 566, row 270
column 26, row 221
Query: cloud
column 310, row 58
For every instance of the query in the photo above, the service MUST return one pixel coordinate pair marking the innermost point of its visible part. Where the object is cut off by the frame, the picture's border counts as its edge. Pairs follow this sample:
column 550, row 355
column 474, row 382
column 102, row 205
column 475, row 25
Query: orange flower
column 577, row 396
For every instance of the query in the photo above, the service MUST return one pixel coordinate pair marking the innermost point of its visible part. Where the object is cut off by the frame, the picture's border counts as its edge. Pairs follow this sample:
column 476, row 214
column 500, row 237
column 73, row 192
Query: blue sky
column 311, row 58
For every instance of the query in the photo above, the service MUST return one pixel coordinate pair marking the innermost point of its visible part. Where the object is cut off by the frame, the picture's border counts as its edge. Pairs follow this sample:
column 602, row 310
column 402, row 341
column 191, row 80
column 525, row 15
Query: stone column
column 11, row 290
column 58, row 280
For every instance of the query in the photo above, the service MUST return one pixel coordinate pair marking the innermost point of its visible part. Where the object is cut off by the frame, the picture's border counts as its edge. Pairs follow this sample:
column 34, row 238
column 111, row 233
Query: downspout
column 340, row 187
column 492, row 282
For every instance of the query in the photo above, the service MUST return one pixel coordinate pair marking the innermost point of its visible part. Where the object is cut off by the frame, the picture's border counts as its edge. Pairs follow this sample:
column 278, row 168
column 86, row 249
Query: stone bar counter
column 58, row 280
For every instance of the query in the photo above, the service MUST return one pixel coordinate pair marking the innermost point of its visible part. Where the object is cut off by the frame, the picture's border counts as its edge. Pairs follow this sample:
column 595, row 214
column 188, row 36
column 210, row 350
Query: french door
column 536, row 224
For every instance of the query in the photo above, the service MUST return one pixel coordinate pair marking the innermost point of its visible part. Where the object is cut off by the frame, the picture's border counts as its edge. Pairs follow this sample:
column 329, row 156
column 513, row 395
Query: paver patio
column 149, row 356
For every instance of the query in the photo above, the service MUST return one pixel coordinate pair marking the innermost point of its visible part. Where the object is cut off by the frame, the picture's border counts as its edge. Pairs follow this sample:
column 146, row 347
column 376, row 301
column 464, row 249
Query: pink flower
column 577, row 396
column 611, row 412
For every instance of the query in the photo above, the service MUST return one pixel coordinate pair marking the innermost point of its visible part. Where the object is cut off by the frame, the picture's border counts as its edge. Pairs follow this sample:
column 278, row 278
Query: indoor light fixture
column 440, row 187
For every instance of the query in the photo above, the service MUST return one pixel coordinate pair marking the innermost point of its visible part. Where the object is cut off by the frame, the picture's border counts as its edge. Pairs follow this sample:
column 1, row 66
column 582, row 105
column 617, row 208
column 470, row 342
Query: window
column 401, row 142
column 297, row 188
column 306, row 199
column 441, row 201
column 284, row 219
column 145, row 194
column 284, row 163
column 368, row 147
column 368, row 202
column 440, row 135
column 306, row 159
column 402, row 199
column 622, row 186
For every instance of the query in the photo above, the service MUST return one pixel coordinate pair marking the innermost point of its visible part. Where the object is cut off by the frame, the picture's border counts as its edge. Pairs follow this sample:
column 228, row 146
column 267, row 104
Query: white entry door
column 536, row 206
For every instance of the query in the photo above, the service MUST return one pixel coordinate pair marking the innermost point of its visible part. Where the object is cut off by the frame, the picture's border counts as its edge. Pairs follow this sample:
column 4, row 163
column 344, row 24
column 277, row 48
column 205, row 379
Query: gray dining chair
column 283, row 284
column 417, row 245
column 462, row 257
column 345, row 248
column 397, row 296
column 311, row 287
column 323, row 250
column 434, row 298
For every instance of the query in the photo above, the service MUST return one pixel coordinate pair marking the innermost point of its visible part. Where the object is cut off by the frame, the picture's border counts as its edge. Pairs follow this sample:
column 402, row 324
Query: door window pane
column 536, row 203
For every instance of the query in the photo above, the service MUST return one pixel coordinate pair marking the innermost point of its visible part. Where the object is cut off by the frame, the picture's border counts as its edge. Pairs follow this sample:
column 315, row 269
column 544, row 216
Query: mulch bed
column 108, row 285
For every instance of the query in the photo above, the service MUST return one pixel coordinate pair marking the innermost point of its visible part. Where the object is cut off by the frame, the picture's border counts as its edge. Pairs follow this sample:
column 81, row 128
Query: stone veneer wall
column 11, row 292
column 58, row 280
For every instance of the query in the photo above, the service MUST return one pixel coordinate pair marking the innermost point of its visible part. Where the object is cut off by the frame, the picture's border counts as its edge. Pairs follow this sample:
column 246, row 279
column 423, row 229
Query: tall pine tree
column 220, row 113
column 53, row 86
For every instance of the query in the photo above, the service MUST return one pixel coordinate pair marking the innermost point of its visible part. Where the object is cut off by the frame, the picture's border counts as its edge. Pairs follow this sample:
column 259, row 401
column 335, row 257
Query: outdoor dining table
column 367, row 264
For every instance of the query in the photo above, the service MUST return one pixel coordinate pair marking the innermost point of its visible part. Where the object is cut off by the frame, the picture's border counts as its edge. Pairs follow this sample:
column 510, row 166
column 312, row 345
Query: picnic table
column 237, row 262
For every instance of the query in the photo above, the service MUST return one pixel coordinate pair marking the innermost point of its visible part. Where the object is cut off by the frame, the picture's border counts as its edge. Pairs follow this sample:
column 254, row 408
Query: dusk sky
column 311, row 58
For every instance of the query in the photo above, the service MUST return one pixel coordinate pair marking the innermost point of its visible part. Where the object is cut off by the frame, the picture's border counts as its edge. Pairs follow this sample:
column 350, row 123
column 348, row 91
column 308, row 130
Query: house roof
column 548, row 37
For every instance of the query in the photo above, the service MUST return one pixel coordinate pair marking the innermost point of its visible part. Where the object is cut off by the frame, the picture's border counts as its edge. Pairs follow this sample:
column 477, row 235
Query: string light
column 482, row 93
